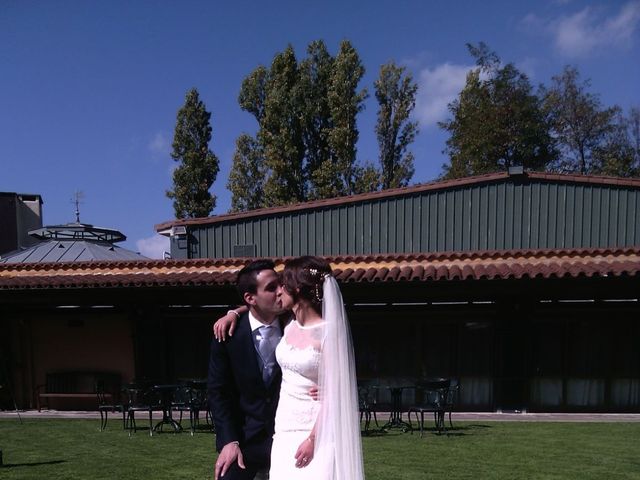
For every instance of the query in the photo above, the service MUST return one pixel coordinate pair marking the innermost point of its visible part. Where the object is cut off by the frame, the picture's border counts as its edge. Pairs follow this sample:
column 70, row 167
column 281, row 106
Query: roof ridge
column 421, row 187
column 334, row 259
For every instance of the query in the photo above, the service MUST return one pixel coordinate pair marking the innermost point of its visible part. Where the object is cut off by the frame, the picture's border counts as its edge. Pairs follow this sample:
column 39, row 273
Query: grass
column 75, row 449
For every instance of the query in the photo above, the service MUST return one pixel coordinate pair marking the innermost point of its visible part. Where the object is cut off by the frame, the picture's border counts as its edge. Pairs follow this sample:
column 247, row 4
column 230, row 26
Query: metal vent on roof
column 178, row 230
column 244, row 250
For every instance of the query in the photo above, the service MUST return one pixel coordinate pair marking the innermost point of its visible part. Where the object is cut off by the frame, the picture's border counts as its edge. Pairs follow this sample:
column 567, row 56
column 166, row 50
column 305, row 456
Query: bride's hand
column 313, row 393
column 225, row 325
column 304, row 454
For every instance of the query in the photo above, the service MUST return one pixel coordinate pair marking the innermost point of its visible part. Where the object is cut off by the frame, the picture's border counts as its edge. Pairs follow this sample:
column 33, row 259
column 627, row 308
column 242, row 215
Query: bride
column 315, row 438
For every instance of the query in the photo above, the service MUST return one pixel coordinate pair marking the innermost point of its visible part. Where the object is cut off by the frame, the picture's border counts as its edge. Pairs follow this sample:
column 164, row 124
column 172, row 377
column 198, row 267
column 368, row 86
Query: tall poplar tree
column 307, row 132
column 247, row 176
column 315, row 76
column 280, row 133
column 198, row 165
column 396, row 95
column 345, row 103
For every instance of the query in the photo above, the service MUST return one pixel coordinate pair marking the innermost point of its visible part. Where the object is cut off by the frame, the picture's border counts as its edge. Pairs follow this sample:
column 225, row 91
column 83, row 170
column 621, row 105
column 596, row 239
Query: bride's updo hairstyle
column 303, row 277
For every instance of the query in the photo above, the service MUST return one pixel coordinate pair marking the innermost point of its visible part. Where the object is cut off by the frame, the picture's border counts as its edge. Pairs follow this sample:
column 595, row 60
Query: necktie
column 267, row 350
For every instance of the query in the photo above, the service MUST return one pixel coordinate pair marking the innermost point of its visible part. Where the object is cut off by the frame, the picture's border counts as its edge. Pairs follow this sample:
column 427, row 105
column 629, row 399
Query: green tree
column 368, row 179
column 280, row 133
column 496, row 122
column 247, row 176
column 198, row 166
column 579, row 123
column 617, row 153
column 253, row 93
column 345, row 103
column 307, row 133
column 315, row 76
column 633, row 126
column 396, row 95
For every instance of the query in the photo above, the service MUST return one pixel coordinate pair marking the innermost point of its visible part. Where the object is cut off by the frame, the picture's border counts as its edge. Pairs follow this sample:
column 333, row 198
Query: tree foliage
column 496, row 122
column 306, row 114
column 280, row 133
column 345, row 102
column 315, row 76
column 396, row 94
column 633, row 126
column 585, row 132
column 198, row 166
column 247, row 176
column 617, row 153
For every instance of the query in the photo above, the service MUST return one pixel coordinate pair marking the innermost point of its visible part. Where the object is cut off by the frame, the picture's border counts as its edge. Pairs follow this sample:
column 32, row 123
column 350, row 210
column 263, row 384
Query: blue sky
column 89, row 90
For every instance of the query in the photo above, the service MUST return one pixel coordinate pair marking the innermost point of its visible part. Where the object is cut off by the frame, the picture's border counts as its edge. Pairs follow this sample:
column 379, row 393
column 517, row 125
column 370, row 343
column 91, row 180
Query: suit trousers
column 249, row 473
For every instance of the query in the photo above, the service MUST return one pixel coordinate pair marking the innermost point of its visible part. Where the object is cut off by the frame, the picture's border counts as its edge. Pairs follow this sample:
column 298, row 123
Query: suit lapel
column 246, row 351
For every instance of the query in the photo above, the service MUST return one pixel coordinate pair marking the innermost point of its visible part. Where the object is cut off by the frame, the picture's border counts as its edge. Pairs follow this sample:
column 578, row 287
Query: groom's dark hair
column 247, row 281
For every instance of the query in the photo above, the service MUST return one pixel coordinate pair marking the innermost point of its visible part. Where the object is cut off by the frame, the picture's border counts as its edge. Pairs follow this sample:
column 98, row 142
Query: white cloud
column 159, row 145
column 153, row 247
column 532, row 23
column 588, row 31
column 437, row 87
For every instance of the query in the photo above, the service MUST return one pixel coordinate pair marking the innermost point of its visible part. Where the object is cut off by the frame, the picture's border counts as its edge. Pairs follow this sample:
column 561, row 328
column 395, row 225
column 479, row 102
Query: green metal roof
column 491, row 212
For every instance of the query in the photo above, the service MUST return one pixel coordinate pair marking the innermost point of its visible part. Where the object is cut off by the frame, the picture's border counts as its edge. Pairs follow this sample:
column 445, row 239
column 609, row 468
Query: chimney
column 19, row 214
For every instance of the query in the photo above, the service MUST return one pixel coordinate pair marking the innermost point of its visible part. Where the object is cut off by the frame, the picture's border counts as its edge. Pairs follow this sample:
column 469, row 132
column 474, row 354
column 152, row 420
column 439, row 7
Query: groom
column 244, row 379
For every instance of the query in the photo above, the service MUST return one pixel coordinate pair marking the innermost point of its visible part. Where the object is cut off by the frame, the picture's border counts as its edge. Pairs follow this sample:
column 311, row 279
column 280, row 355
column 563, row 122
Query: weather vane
column 79, row 195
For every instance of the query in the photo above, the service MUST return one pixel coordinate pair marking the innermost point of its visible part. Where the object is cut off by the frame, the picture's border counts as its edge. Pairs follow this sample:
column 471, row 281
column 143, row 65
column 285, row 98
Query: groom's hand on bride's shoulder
column 230, row 453
column 225, row 326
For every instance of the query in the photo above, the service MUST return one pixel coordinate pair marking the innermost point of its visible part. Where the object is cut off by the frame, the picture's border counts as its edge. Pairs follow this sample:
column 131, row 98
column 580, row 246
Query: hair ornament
column 319, row 278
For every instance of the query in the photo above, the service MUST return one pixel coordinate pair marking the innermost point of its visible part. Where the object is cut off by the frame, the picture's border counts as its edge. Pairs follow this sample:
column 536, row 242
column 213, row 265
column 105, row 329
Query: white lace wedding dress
column 298, row 355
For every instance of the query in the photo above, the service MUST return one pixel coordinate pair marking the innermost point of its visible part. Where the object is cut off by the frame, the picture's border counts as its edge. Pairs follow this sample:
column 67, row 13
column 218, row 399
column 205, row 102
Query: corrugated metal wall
column 510, row 214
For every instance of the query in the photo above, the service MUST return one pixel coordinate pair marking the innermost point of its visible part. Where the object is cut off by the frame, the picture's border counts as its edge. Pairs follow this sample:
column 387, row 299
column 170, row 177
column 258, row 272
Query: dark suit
column 243, row 407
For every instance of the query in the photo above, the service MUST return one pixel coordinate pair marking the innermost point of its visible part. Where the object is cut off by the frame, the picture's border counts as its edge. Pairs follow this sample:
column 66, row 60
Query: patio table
column 395, row 415
column 166, row 393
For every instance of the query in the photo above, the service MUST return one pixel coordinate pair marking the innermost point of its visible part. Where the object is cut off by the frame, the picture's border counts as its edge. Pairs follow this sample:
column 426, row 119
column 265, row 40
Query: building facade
column 523, row 286
column 522, row 340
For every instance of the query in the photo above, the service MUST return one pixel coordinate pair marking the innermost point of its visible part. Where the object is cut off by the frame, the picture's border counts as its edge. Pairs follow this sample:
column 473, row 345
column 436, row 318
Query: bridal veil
column 338, row 440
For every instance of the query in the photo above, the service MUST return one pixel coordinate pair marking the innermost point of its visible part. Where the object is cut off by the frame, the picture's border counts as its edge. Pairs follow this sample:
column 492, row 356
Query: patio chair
column 104, row 408
column 140, row 399
column 364, row 407
column 432, row 398
column 192, row 400
column 378, row 401
column 203, row 398
column 452, row 397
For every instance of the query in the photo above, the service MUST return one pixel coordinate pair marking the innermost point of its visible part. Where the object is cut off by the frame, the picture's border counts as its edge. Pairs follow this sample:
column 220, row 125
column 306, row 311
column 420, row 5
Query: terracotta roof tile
column 405, row 273
column 443, row 266
column 416, row 273
column 370, row 274
column 381, row 274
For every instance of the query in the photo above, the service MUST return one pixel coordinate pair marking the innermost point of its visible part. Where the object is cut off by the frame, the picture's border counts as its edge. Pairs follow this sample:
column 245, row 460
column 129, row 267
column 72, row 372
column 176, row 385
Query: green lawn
column 75, row 449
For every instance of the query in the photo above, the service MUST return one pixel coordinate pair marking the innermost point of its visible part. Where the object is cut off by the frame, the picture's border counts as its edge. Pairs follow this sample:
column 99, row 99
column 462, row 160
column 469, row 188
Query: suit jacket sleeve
column 223, row 398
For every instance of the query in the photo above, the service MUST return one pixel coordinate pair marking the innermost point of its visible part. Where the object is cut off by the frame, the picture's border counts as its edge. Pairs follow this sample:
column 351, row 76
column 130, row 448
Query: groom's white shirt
column 256, row 324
